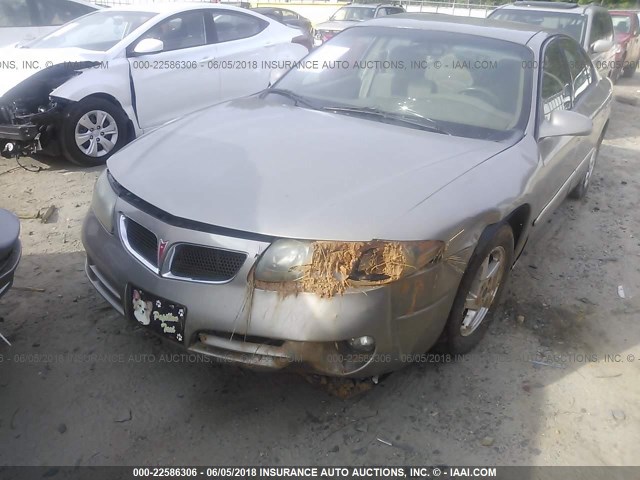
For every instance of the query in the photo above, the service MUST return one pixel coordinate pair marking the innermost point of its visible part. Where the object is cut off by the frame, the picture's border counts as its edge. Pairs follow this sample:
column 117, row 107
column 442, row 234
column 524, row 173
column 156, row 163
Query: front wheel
column 479, row 290
column 630, row 70
column 93, row 130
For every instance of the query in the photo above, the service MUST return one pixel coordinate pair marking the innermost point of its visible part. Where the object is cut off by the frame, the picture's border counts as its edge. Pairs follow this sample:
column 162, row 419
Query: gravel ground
column 82, row 386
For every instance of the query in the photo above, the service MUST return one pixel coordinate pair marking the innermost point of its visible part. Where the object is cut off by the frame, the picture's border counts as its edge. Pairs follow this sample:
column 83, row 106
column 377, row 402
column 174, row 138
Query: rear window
column 231, row 26
column 621, row 23
column 15, row 13
column 59, row 12
column 571, row 24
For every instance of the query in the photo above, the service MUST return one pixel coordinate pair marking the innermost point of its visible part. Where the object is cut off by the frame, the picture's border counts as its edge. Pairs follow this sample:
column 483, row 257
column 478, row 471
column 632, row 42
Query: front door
column 180, row 79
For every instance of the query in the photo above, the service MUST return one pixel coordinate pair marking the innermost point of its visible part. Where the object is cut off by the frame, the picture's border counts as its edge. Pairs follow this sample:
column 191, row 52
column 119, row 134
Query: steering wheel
column 481, row 94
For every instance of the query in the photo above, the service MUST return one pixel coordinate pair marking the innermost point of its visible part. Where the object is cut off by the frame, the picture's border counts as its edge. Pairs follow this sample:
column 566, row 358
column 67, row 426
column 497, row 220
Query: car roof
column 566, row 7
column 370, row 5
column 97, row 5
column 482, row 27
column 171, row 7
column 623, row 12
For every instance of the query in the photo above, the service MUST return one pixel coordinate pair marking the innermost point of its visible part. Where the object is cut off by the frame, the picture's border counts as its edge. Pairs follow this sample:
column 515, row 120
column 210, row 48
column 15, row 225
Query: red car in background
column 627, row 30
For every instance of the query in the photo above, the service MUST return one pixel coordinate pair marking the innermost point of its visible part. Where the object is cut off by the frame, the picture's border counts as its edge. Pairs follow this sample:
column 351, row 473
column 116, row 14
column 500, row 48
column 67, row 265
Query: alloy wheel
column 592, row 164
column 96, row 133
column 483, row 291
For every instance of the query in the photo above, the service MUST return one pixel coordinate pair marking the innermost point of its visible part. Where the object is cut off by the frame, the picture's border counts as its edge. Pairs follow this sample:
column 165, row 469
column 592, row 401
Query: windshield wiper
column 297, row 99
column 408, row 118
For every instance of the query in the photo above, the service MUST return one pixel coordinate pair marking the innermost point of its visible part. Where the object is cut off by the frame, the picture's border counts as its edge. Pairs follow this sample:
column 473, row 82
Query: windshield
column 98, row 31
column 463, row 85
column 354, row 14
column 571, row 24
column 621, row 23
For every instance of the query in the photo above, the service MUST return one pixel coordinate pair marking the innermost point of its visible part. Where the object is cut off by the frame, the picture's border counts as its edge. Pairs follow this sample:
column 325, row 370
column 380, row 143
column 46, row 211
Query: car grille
column 206, row 263
column 143, row 242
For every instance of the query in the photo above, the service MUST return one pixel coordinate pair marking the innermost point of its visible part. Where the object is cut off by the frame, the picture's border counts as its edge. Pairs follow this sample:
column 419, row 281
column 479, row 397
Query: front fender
column 107, row 79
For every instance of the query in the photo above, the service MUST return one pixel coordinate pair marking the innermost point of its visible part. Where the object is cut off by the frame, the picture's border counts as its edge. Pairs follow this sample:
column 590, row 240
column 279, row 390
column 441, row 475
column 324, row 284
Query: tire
column 630, row 70
column 496, row 241
column 100, row 114
column 580, row 190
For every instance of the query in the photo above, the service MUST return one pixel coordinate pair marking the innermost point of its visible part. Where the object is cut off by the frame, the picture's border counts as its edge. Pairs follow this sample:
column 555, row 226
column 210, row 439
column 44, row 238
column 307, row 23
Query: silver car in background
column 590, row 25
column 367, row 205
column 347, row 15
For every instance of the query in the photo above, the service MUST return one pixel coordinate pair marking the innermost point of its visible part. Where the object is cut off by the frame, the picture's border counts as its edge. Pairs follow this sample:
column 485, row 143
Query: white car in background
column 26, row 20
column 102, row 80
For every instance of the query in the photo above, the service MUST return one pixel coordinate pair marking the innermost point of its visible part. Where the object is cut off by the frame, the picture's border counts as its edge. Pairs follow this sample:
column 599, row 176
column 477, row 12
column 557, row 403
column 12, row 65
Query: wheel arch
column 131, row 132
column 604, row 129
column 519, row 220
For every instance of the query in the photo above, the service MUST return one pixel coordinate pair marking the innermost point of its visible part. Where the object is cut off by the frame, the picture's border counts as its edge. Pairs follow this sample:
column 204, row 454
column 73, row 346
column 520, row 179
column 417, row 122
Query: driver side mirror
column 565, row 122
column 601, row 46
column 149, row 46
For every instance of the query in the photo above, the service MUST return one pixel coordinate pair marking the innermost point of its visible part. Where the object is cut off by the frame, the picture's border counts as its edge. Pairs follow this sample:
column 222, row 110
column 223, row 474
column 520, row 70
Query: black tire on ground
column 453, row 341
column 630, row 70
column 70, row 122
column 580, row 190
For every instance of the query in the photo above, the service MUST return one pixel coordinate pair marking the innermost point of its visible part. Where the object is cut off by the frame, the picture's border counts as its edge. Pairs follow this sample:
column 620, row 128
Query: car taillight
column 304, row 41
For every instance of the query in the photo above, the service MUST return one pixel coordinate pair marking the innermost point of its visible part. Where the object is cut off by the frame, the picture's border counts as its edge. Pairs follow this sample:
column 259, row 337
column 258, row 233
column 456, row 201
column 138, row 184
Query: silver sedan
column 366, row 206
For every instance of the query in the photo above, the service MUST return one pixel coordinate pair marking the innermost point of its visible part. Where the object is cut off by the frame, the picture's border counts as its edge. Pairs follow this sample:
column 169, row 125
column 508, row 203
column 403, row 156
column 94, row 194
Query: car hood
column 265, row 167
column 335, row 26
column 26, row 62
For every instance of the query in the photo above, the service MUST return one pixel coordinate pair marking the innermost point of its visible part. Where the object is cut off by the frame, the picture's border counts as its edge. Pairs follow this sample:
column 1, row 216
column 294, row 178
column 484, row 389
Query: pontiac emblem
column 162, row 247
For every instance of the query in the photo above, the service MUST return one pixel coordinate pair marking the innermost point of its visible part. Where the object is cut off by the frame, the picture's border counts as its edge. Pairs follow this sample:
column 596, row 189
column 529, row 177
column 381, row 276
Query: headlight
column 103, row 203
column 283, row 261
column 329, row 268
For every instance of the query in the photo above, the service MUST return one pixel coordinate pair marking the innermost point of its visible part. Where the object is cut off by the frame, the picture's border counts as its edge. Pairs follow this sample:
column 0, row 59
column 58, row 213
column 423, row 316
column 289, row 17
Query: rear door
column 587, row 100
column 243, row 42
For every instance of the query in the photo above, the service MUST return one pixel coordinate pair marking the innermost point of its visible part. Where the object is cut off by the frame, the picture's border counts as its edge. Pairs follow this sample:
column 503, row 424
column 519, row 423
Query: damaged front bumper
column 234, row 322
column 26, row 134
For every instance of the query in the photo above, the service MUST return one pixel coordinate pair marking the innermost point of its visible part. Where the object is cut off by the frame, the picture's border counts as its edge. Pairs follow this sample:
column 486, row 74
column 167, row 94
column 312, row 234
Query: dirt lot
column 539, row 390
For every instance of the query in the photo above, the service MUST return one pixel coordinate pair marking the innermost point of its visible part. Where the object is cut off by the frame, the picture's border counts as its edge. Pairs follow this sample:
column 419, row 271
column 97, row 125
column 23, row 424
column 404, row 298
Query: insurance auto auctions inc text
column 376, row 472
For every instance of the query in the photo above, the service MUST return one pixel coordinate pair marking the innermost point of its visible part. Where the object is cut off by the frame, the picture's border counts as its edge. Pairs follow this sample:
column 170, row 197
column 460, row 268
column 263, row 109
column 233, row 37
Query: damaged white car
column 100, row 81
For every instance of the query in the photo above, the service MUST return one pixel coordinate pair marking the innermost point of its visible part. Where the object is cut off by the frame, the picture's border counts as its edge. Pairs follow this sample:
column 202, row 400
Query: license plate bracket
column 163, row 316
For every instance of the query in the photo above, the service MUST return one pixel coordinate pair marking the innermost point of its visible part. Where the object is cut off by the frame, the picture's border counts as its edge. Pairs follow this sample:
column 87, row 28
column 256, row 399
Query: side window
column 185, row 30
column 607, row 26
column 556, row 80
column 382, row 12
column 59, row 12
column 15, row 13
column 596, row 30
column 579, row 67
column 394, row 10
column 602, row 28
column 235, row 26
